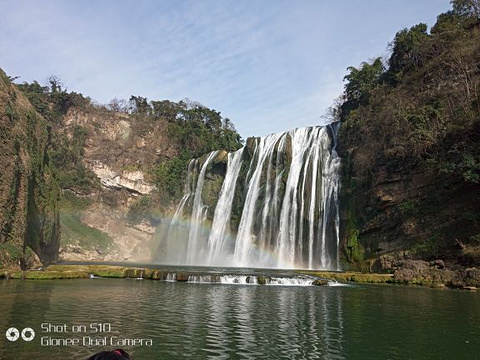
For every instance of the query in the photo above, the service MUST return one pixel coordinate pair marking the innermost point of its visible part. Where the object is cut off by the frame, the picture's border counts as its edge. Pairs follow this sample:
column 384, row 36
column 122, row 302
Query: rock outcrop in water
column 272, row 203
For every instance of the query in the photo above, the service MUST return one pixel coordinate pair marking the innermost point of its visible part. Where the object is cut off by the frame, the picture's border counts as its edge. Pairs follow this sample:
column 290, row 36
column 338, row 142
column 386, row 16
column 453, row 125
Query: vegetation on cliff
column 410, row 137
column 29, row 193
column 116, row 168
column 53, row 103
column 189, row 131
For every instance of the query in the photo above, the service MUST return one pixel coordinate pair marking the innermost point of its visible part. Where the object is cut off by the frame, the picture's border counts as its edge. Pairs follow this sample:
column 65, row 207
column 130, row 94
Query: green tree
column 405, row 51
column 360, row 83
column 52, row 101
column 38, row 96
column 165, row 109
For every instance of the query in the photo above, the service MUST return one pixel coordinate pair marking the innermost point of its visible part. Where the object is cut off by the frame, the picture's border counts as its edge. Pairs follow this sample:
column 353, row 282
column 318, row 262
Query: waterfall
column 245, row 237
column 277, row 205
column 198, row 213
column 223, row 210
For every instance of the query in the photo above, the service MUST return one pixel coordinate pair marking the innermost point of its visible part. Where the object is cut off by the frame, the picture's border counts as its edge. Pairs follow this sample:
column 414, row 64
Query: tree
column 360, row 83
column 117, row 105
column 466, row 8
column 334, row 113
column 405, row 55
column 38, row 96
column 165, row 109
column 447, row 25
column 228, row 125
column 55, row 83
column 139, row 105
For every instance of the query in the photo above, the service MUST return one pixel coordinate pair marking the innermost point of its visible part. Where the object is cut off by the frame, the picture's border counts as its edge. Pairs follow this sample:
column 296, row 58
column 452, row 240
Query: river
column 72, row 318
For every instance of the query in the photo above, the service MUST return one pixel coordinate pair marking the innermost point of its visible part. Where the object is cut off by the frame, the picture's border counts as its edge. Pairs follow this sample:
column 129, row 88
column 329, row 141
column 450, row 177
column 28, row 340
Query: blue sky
column 268, row 65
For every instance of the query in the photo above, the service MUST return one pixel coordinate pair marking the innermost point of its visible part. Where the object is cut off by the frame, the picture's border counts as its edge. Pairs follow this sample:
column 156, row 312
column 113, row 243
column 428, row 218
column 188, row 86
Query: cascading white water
column 198, row 213
column 329, row 198
column 301, row 142
column 245, row 237
column 174, row 230
column 280, row 211
column 251, row 280
column 223, row 210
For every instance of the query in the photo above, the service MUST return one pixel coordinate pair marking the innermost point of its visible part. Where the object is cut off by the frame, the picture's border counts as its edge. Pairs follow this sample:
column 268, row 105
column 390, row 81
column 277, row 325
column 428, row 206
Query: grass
column 74, row 231
column 69, row 202
column 357, row 277
column 68, row 272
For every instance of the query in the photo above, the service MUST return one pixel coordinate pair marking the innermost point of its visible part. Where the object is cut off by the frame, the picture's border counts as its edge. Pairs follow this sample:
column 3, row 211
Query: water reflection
column 201, row 321
column 251, row 322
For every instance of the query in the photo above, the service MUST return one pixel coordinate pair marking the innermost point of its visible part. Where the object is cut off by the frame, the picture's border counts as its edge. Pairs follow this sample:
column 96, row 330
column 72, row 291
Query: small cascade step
column 247, row 279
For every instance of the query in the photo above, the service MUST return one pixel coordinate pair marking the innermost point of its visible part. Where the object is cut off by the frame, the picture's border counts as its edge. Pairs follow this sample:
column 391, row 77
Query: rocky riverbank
column 412, row 272
column 435, row 274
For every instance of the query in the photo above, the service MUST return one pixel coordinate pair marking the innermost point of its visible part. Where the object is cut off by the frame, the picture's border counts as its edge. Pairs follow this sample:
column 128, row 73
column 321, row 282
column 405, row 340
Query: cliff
column 410, row 139
column 29, row 193
column 121, row 166
column 102, row 221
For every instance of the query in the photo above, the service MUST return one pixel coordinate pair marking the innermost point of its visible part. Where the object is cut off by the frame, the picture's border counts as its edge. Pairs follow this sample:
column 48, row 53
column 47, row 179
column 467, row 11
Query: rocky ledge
column 410, row 272
column 434, row 273
column 132, row 181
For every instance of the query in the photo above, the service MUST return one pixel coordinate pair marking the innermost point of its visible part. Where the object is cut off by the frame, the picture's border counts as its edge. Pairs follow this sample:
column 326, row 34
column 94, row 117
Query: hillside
column 410, row 139
column 119, row 167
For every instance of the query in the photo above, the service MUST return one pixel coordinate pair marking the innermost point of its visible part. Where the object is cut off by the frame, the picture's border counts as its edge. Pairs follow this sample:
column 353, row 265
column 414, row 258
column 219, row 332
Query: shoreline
column 86, row 271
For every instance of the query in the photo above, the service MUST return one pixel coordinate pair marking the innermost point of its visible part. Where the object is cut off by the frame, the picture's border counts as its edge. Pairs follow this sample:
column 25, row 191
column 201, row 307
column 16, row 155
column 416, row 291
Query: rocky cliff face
column 29, row 194
column 410, row 213
column 119, row 166
column 119, row 150
column 411, row 150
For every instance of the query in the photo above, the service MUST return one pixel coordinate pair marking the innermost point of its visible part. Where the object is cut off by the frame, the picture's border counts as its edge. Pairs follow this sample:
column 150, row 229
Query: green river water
column 73, row 318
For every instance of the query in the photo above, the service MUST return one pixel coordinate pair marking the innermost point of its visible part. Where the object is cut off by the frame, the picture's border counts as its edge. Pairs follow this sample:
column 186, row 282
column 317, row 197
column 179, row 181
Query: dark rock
column 414, row 265
column 182, row 277
column 321, row 282
column 470, row 256
column 384, row 263
column 439, row 264
column 472, row 277
column 420, row 272
column 251, row 143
